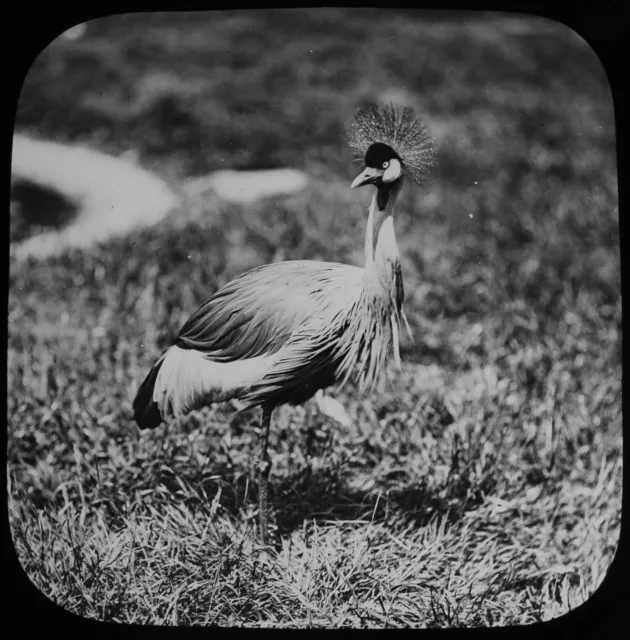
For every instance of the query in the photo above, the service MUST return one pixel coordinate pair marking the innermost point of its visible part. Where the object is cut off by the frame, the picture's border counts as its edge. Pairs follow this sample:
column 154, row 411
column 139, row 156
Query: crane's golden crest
column 399, row 129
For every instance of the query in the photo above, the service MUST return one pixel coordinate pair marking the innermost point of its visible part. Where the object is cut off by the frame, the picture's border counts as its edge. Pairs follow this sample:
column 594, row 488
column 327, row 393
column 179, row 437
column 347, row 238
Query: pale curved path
column 114, row 195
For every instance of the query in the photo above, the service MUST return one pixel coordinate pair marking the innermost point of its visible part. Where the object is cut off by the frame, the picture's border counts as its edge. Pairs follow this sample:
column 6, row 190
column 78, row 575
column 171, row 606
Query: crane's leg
column 263, row 467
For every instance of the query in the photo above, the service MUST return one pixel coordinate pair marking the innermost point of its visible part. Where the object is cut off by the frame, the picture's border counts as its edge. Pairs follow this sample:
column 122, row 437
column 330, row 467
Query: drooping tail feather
column 145, row 410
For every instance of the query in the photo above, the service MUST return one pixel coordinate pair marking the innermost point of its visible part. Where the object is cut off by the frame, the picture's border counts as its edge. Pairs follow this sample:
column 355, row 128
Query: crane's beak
column 367, row 176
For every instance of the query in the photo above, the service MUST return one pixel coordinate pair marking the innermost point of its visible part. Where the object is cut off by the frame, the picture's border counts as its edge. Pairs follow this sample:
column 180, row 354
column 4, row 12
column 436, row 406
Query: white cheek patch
column 393, row 171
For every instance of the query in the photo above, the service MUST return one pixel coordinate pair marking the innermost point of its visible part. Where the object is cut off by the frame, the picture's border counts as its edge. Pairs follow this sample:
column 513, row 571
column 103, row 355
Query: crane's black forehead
column 377, row 153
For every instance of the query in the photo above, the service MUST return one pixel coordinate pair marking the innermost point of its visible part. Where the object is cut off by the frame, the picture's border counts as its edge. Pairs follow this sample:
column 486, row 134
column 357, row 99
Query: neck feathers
column 372, row 333
column 381, row 250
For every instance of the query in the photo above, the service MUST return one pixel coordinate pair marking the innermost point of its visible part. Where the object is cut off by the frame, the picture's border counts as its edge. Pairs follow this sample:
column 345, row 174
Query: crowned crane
column 281, row 332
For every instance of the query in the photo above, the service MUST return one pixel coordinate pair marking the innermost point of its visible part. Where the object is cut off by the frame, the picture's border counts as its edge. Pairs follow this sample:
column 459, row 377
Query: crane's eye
column 385, row 164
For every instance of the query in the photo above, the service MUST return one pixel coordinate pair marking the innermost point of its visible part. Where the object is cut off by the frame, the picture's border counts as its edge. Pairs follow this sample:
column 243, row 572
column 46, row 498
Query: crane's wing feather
column 258, row 312
column 308, row 361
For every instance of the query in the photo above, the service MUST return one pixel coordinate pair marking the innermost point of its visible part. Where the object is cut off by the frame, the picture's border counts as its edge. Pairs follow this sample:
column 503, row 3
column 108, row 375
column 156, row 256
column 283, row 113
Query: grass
column 482, row 486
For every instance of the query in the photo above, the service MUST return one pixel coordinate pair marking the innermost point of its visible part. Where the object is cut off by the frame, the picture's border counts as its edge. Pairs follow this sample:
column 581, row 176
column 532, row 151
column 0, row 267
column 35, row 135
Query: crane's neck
column 373, row 323
column 381, row 250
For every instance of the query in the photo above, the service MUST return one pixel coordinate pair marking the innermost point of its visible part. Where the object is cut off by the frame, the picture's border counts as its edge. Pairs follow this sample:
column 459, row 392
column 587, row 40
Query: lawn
column 482, row 484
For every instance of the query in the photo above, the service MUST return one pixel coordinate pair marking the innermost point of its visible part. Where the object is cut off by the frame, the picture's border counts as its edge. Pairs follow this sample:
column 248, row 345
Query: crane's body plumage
column 280, row 332
column 247, row 341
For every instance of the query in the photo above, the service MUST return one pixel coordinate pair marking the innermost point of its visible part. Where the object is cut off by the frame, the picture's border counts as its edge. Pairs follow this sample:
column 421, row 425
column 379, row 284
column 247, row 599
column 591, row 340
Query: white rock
column 332, row 409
